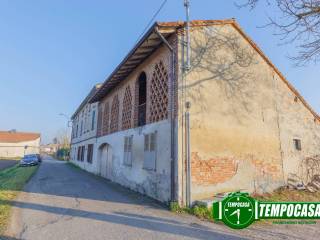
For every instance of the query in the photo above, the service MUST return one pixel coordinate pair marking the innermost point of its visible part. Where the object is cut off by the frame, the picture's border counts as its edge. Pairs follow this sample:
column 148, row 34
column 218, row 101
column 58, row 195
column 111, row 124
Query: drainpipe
column 172, row 117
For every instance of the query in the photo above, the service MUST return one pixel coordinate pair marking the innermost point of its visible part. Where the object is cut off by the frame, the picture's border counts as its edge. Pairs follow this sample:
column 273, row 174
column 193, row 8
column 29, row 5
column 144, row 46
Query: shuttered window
column 150, row 146
column 127, row 156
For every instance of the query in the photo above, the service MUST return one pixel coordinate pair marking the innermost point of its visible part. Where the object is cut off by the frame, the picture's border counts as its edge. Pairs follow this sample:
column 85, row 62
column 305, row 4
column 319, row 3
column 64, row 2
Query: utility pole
column 187, row 68
column 187, row 7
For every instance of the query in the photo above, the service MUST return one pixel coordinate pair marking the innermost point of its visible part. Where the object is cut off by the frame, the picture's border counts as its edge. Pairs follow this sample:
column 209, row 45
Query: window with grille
column 105, row 119
column 127, row 109
column 141, row 100
column 90, row 153
column 297, row 144
column 114, row 121
column 150, row 146
column 159, row 94
column 127, row 156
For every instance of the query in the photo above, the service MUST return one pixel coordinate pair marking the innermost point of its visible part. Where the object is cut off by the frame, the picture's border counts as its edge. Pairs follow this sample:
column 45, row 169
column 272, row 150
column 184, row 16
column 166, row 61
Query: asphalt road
column 62, row 202
column 7, row 163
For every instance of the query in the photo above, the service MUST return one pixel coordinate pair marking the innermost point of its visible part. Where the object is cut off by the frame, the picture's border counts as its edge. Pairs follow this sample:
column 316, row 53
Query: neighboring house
column 249, row 127
column 50, row 148
column 84, row 133
column 17, row 144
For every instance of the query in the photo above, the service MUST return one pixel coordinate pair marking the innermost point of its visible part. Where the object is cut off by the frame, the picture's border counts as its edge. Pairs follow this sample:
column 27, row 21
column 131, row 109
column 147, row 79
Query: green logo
column 239, row 210
column 236, row 211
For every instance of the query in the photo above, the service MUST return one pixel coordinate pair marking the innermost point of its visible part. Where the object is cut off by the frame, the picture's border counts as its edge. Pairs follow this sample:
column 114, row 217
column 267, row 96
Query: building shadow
column 155, row 224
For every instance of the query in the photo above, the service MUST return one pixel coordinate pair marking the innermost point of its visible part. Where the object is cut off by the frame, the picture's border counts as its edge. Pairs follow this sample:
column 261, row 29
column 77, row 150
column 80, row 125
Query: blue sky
column 53, row 52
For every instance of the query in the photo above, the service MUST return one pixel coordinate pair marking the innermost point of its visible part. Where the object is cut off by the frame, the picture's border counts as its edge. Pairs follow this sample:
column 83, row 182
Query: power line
column 152, row 19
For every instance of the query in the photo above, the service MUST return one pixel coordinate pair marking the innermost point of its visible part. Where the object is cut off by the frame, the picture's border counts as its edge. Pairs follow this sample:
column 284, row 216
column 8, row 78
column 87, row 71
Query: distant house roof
column 86, row 100
column 151, row 41
column 16, row 137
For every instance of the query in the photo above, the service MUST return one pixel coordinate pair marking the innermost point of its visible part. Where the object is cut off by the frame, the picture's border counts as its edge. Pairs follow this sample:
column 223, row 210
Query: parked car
column 29, row 160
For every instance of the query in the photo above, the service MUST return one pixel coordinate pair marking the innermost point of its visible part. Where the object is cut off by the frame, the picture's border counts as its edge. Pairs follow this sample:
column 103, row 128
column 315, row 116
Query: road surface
column 63, row 202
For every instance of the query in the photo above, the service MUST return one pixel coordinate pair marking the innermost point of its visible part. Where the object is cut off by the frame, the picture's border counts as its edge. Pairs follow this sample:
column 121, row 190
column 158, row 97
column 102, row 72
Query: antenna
column 187, row 6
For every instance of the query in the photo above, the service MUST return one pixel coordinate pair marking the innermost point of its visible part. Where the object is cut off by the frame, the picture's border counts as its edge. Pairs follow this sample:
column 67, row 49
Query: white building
column 17, row 144
column 84, row 133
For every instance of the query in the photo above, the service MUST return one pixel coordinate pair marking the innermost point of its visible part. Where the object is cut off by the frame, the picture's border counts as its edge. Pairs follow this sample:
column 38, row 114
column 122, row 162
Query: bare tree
column 63, row 138
column 299, row 23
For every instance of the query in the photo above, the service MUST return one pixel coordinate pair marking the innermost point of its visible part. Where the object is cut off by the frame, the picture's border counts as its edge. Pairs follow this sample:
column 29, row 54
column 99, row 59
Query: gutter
column 172, row 118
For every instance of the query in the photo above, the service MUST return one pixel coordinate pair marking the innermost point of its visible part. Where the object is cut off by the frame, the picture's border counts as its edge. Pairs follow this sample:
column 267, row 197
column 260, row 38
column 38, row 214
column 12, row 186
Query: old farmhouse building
column 15, row 145
column 84, row 133
column 232, row 115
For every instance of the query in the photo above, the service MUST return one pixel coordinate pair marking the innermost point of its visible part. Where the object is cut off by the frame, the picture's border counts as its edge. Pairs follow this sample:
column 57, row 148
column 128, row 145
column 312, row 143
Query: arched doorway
column 105, row 161
column 142, row 100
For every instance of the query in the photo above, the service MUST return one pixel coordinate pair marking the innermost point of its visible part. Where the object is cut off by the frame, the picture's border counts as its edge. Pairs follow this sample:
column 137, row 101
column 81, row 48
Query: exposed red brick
column 212, row 171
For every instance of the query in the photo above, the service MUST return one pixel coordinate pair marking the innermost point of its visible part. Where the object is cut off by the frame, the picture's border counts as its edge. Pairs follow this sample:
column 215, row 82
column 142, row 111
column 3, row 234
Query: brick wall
column 211, row 171
column 148, row 66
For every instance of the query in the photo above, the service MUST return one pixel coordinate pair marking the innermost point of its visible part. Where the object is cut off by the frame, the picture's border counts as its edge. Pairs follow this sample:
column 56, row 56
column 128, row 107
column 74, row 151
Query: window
column 77, row 130
column 127, row 156
column 79, row 154
column 142, row 99
column 81, row 128
column 90, row 153
column 150, row 144
column 82, row 153
column 93, row 119
column 297, row 144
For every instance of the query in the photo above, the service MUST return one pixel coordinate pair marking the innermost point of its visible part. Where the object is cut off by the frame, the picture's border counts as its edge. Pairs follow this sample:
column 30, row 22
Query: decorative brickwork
column 127, row 109
column 114, row 120
column 159, row 94
column 99, row 129
column 136, row 104
column 105, row 120
column 212, row 171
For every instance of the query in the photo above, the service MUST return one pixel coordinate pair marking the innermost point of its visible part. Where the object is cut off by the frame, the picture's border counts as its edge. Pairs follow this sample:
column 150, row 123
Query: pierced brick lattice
column 105, row 120
column 114, row 120
column 127, row 109
column 159, row 94
column 99, row 130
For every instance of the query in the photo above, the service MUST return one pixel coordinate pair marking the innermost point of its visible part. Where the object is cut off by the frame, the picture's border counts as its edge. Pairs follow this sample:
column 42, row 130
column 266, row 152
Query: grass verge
column 201, row 212
column 12, row 180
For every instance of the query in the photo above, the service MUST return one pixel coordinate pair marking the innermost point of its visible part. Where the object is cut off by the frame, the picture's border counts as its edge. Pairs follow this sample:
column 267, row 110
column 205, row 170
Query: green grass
column 10, row 158
column 12, row 181
column 201, row 212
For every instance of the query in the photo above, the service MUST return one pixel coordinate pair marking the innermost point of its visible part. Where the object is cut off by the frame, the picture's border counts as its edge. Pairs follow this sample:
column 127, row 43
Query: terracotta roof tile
column 16, row 137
